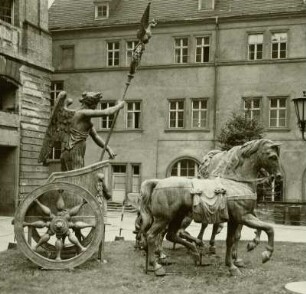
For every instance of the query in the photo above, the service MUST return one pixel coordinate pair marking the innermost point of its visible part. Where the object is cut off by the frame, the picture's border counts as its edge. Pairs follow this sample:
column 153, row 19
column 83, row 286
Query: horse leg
column 230, row 240
column 215, row 231
column 173, row 236
column 237, row 261
column 253, row 244
column 202, row 231
column 162, row 257
column 253, row 222
column 153, row 235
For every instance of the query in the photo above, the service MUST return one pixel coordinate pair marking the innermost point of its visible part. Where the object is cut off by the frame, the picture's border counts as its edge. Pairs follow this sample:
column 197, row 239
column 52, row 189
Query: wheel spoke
column 60, row 204
column 81, row 225
column 37, row 224
column 73, row 239
column 45, row 209
column 59, row 246
column 43, row 239
column 75, row 210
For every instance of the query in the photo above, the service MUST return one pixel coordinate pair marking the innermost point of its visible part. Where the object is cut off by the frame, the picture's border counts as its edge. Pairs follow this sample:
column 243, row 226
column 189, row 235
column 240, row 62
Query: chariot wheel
column 59, row 226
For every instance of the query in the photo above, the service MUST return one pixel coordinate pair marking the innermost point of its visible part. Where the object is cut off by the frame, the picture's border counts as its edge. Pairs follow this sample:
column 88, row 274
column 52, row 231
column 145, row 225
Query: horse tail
column 146, row 191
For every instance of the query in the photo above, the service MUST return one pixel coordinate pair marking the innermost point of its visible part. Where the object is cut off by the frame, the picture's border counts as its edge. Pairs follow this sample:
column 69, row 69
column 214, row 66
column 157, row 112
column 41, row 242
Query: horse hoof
column 266, row 255
column 239, row 263
column 160, row 272
column 234, row 271
column 251, row 246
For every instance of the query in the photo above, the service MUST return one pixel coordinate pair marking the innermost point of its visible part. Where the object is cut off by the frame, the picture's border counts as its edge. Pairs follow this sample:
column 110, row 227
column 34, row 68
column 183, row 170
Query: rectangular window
column 106, row 121
column 56, row 151
column 113, row 52
column 135, row 178
column 202, row 49
column 181, row 50
column 279, row 45
column 130, row 46
column 6, row 11
column 278, row 113
column 176, row 114
column 67, row 57
column 101, row 11
column 199, row 113
column 133, row 115
column 56, row 88
column 255, row 46
column 252, row 108
column 119, row 177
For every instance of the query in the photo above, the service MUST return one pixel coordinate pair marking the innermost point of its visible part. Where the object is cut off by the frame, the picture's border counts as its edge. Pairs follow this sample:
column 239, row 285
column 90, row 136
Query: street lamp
column 300, row 109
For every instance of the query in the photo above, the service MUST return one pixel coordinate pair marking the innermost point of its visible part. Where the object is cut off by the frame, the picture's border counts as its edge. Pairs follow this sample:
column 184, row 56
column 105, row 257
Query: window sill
column 277, row 130
column 182, row 130
column 122, row 130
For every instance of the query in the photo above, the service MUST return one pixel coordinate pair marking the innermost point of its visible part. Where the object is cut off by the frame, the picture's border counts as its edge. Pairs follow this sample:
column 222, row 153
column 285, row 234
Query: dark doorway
column 8, row 181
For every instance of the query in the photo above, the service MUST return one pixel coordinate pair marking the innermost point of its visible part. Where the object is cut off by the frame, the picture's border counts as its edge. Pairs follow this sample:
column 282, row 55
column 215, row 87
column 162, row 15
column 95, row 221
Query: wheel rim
column 60, row 226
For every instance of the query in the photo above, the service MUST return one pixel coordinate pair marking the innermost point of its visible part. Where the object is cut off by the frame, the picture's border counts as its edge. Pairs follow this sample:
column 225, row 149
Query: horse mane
column 205, row 163
column 232, row 158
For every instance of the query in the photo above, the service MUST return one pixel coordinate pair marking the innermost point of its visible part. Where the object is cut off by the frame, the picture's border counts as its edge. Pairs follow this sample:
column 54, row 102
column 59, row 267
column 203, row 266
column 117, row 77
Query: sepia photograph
column 153, row 146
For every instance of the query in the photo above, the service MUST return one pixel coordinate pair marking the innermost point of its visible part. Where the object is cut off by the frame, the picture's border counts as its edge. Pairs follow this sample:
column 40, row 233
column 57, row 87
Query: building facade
column 206, row 60
column 25, row 67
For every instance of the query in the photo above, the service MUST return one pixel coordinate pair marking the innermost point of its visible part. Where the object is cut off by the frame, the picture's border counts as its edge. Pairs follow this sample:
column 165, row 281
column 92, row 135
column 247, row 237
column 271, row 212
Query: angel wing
column 59, row 126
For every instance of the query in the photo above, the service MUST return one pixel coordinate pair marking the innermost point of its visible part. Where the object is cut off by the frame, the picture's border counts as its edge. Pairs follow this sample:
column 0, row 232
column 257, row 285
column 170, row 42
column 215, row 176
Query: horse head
column 266, row 153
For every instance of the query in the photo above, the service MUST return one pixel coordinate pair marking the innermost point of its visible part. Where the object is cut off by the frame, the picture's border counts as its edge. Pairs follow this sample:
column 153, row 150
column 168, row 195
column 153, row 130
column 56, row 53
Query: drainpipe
column 215, row 82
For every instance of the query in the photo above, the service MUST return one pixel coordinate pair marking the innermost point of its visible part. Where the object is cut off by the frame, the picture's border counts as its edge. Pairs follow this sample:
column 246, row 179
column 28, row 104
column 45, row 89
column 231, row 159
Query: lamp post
column 300, row 109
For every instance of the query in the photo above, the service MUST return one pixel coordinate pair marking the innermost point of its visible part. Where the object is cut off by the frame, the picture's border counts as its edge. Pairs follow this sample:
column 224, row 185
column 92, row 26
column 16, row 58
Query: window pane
column 282, row 102
column 273, row 113
column 196, row 104
column 181, row 105
column 273, row 102
column 273, row 122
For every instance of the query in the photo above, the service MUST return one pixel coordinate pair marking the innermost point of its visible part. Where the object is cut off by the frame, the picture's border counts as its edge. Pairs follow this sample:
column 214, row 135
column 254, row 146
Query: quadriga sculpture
column 166, row 202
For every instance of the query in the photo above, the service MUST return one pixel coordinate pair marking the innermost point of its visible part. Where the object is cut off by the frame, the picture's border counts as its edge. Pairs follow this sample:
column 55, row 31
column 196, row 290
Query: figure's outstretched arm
column 100, row 142
column 103, row 112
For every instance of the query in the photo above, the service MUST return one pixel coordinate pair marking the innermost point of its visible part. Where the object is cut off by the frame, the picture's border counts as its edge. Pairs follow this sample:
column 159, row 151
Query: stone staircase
column 117, row 207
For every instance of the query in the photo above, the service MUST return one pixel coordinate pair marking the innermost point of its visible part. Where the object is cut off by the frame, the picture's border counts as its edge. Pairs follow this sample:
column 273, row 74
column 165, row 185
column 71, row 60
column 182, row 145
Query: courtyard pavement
column 115, row 227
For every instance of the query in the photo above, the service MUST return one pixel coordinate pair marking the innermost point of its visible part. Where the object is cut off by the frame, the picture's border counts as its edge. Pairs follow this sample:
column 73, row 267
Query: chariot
column 60, row 225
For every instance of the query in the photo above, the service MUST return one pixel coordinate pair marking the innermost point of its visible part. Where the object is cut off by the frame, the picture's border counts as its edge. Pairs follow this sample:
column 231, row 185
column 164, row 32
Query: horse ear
column 277, row 147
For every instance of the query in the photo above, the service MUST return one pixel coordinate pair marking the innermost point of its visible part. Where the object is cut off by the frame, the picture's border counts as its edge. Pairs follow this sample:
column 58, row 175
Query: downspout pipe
column 216, row 77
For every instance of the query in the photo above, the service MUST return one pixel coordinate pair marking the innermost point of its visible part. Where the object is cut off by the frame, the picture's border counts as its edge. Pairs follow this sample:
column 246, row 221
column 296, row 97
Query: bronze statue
column 165, row 203
column 72, row 127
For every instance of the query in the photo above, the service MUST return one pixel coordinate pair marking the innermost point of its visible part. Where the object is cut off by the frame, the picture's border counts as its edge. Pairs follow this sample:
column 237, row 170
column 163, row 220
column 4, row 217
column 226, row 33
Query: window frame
column 279, row 45
column 255, row 46
column 129, row 51
column 176, row 100
column 178, row 161
column 55, row 92
column 133, row 111
column 202, row 47
column 101, row 5
column 279, row 109
column 109, row 118
column 200, row 100
column 114, row 51
column 64, row 47
column 12, row 12
column 252, row 109
column 181, row 47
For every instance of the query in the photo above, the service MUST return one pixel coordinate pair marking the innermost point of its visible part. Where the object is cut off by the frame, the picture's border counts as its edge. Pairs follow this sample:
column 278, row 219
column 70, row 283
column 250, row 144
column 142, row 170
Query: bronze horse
column 166, row 202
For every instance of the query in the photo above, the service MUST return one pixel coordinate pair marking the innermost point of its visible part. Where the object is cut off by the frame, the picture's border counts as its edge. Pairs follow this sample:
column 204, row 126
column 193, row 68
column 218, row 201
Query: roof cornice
column 207, row 20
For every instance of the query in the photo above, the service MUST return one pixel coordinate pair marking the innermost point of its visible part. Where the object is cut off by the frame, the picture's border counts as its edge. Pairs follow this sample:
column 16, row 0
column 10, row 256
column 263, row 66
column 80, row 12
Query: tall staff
column 143, row 35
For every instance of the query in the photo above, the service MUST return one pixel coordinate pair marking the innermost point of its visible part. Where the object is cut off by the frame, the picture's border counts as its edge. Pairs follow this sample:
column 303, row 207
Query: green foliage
column 240, row 128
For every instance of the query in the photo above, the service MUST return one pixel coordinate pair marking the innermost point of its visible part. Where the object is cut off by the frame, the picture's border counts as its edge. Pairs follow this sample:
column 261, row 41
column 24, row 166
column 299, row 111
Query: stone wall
column 35, row 109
